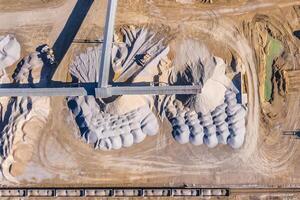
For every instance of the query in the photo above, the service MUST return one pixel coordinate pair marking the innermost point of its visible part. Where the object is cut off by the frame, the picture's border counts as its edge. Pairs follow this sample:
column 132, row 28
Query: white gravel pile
column 127, row 119
column 224, row 125
column 110, row 131
column 16, row 112
column 213, row 116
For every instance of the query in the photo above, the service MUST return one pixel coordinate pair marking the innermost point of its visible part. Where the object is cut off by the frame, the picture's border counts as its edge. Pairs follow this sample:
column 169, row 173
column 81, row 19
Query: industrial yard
column 234, row 122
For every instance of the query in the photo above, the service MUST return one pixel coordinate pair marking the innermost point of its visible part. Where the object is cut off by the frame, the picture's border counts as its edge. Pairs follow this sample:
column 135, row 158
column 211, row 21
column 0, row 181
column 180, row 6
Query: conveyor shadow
column 297, row 34
column 66, row 37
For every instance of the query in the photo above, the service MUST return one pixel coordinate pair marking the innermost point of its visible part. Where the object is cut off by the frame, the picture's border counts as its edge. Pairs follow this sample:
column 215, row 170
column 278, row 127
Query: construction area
column 136, row 98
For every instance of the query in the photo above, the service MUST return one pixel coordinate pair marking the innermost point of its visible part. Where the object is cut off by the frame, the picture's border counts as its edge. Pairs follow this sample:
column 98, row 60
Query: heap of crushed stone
column 212, row 116
column 115, row 125
column 10, row 51
column 17, row 111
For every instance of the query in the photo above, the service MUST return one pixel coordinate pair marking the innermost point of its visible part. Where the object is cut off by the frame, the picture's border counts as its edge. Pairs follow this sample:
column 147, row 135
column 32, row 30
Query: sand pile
column 212, row 116
column 135, row 53
column 138, row 57
column 224, row 125
column 118, row 124
column 111, row 131
column 18, row 113
column 193, row 63
column 29, row 63
column 10, row 51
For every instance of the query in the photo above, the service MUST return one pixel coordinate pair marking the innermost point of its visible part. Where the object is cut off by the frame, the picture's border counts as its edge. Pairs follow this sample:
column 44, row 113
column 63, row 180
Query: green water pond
column 274, row 49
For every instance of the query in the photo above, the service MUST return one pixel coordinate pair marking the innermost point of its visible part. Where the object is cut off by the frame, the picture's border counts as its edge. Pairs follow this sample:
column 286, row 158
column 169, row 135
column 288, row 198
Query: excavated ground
column 21, row 5
column 234, row 32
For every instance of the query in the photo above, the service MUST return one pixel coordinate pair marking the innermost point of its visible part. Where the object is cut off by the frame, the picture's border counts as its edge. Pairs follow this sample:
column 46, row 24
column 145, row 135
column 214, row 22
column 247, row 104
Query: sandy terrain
column 14, row 5
column 268, row 158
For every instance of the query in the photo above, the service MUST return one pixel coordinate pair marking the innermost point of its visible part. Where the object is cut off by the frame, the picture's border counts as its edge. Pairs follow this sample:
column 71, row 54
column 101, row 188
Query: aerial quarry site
column 150, row 99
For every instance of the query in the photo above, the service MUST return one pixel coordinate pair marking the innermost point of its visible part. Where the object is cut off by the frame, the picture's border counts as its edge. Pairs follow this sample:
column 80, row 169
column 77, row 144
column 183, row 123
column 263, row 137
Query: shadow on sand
column 66, row 37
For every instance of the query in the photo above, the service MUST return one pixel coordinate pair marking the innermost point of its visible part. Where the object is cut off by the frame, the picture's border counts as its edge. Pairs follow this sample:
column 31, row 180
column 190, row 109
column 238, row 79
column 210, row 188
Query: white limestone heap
column 10, row 51
column 140, row 61
column 210, row 137
column 220, row 117
column 137, row 57
column 236, row 120
column 212, row 116
column 119, row 123
column 17, row 112
column 110, row 131
column 196, row 129
column 224, row 125
column 209, row 117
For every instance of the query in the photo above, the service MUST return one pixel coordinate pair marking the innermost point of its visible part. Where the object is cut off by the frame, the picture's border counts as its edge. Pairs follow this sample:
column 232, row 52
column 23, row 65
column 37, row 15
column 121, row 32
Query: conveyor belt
column 100, row 92
column 67, row 91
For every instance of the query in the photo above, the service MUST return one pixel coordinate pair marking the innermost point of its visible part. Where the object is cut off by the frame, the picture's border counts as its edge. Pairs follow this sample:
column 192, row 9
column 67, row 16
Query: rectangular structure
column 26, row 92
column 107, row 43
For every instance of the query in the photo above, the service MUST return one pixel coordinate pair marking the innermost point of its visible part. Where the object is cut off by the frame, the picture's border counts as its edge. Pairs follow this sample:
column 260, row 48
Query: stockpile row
column 224, row 125
column 109, row 131
column 136, row 55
